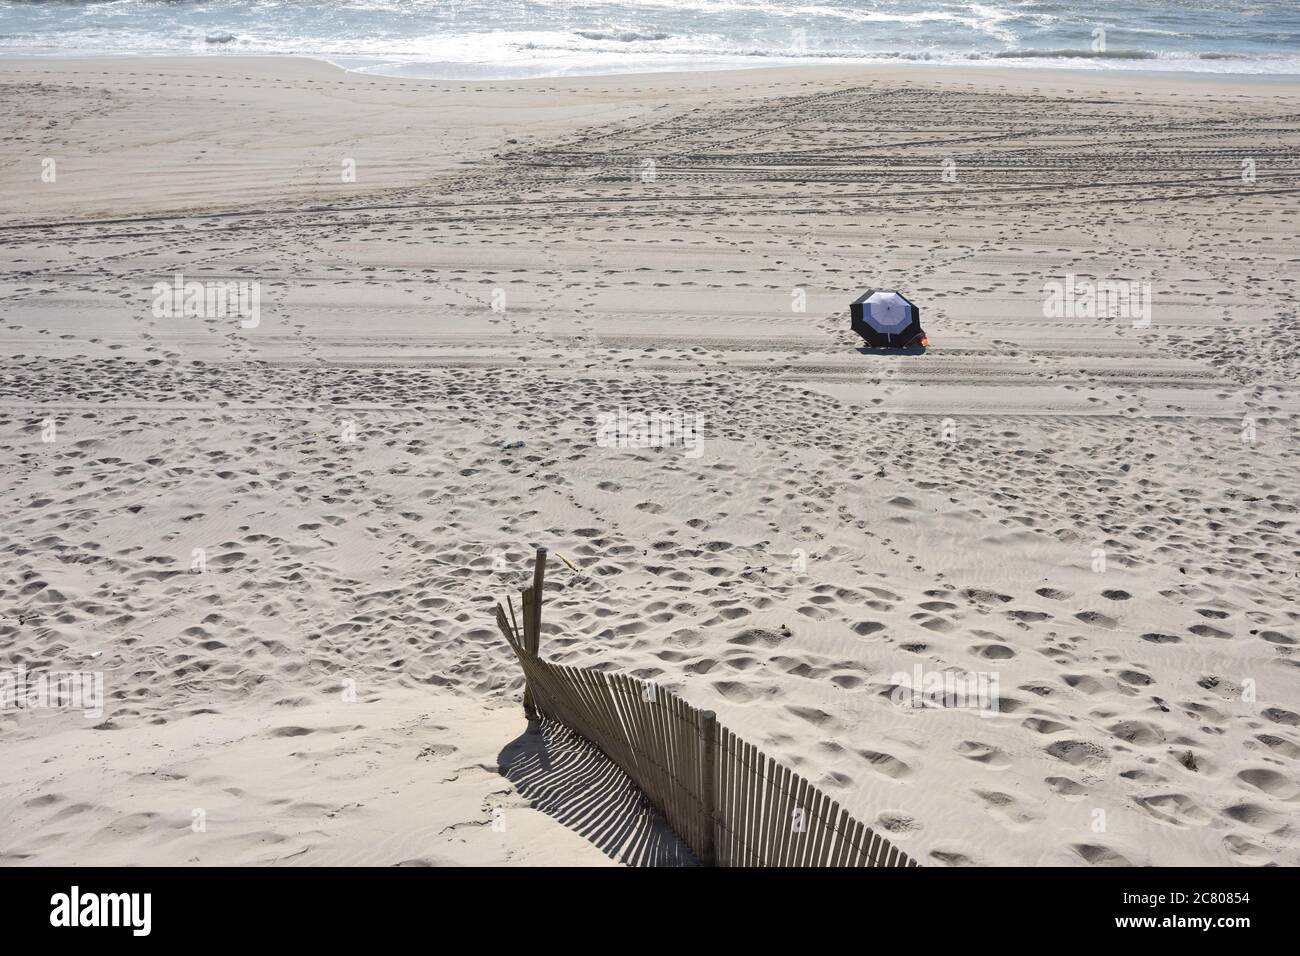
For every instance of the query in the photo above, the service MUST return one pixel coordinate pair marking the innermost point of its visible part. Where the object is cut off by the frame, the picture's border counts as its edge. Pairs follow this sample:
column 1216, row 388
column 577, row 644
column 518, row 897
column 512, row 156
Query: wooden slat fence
column 727, row 800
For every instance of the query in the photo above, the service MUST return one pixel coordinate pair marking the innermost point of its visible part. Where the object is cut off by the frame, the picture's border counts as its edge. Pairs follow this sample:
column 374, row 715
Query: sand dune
column 239, row 524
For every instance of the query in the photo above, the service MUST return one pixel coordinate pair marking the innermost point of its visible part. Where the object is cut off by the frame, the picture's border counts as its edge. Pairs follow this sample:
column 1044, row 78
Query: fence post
column 539, row 573
column 532, row 610
column 709, row 731
column 526, row 601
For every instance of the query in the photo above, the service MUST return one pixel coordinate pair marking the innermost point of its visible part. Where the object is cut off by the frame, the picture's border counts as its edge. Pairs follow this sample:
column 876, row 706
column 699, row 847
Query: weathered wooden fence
column 729, row 802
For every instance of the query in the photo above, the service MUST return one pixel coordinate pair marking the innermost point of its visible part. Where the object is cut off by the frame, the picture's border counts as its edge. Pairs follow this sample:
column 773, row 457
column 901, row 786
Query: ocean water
column 499, row 39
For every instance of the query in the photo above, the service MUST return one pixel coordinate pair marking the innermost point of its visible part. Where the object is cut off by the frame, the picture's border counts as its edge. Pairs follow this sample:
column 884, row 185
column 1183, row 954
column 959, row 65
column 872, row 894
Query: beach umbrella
column 886, row 319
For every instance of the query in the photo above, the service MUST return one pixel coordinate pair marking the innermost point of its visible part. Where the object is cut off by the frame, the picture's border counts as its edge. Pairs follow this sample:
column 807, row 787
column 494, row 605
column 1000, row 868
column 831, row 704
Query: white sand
column 1148, row 711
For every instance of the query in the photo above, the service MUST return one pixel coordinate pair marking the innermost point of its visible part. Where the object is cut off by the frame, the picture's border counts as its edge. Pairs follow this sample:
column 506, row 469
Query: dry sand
column 850, row 516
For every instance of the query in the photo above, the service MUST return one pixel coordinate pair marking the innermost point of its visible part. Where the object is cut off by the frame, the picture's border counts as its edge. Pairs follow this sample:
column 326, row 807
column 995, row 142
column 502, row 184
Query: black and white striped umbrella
column 886, row 319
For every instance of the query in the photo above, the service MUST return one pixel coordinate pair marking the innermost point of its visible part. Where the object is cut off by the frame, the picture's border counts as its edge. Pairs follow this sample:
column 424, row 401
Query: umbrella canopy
column 885, row 319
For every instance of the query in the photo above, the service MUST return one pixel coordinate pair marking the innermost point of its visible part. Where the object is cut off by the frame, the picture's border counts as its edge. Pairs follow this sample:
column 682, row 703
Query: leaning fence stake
column 514, row 621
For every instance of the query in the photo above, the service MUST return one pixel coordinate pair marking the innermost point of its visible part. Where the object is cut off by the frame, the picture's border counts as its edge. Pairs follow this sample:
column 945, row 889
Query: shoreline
column 354, row 65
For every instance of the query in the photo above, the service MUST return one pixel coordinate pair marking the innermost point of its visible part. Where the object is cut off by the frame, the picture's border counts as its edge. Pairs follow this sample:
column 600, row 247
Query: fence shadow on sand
column 563, row 776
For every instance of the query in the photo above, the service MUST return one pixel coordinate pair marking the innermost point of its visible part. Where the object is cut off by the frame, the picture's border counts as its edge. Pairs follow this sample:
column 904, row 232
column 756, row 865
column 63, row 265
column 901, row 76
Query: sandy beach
column 279, row 532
